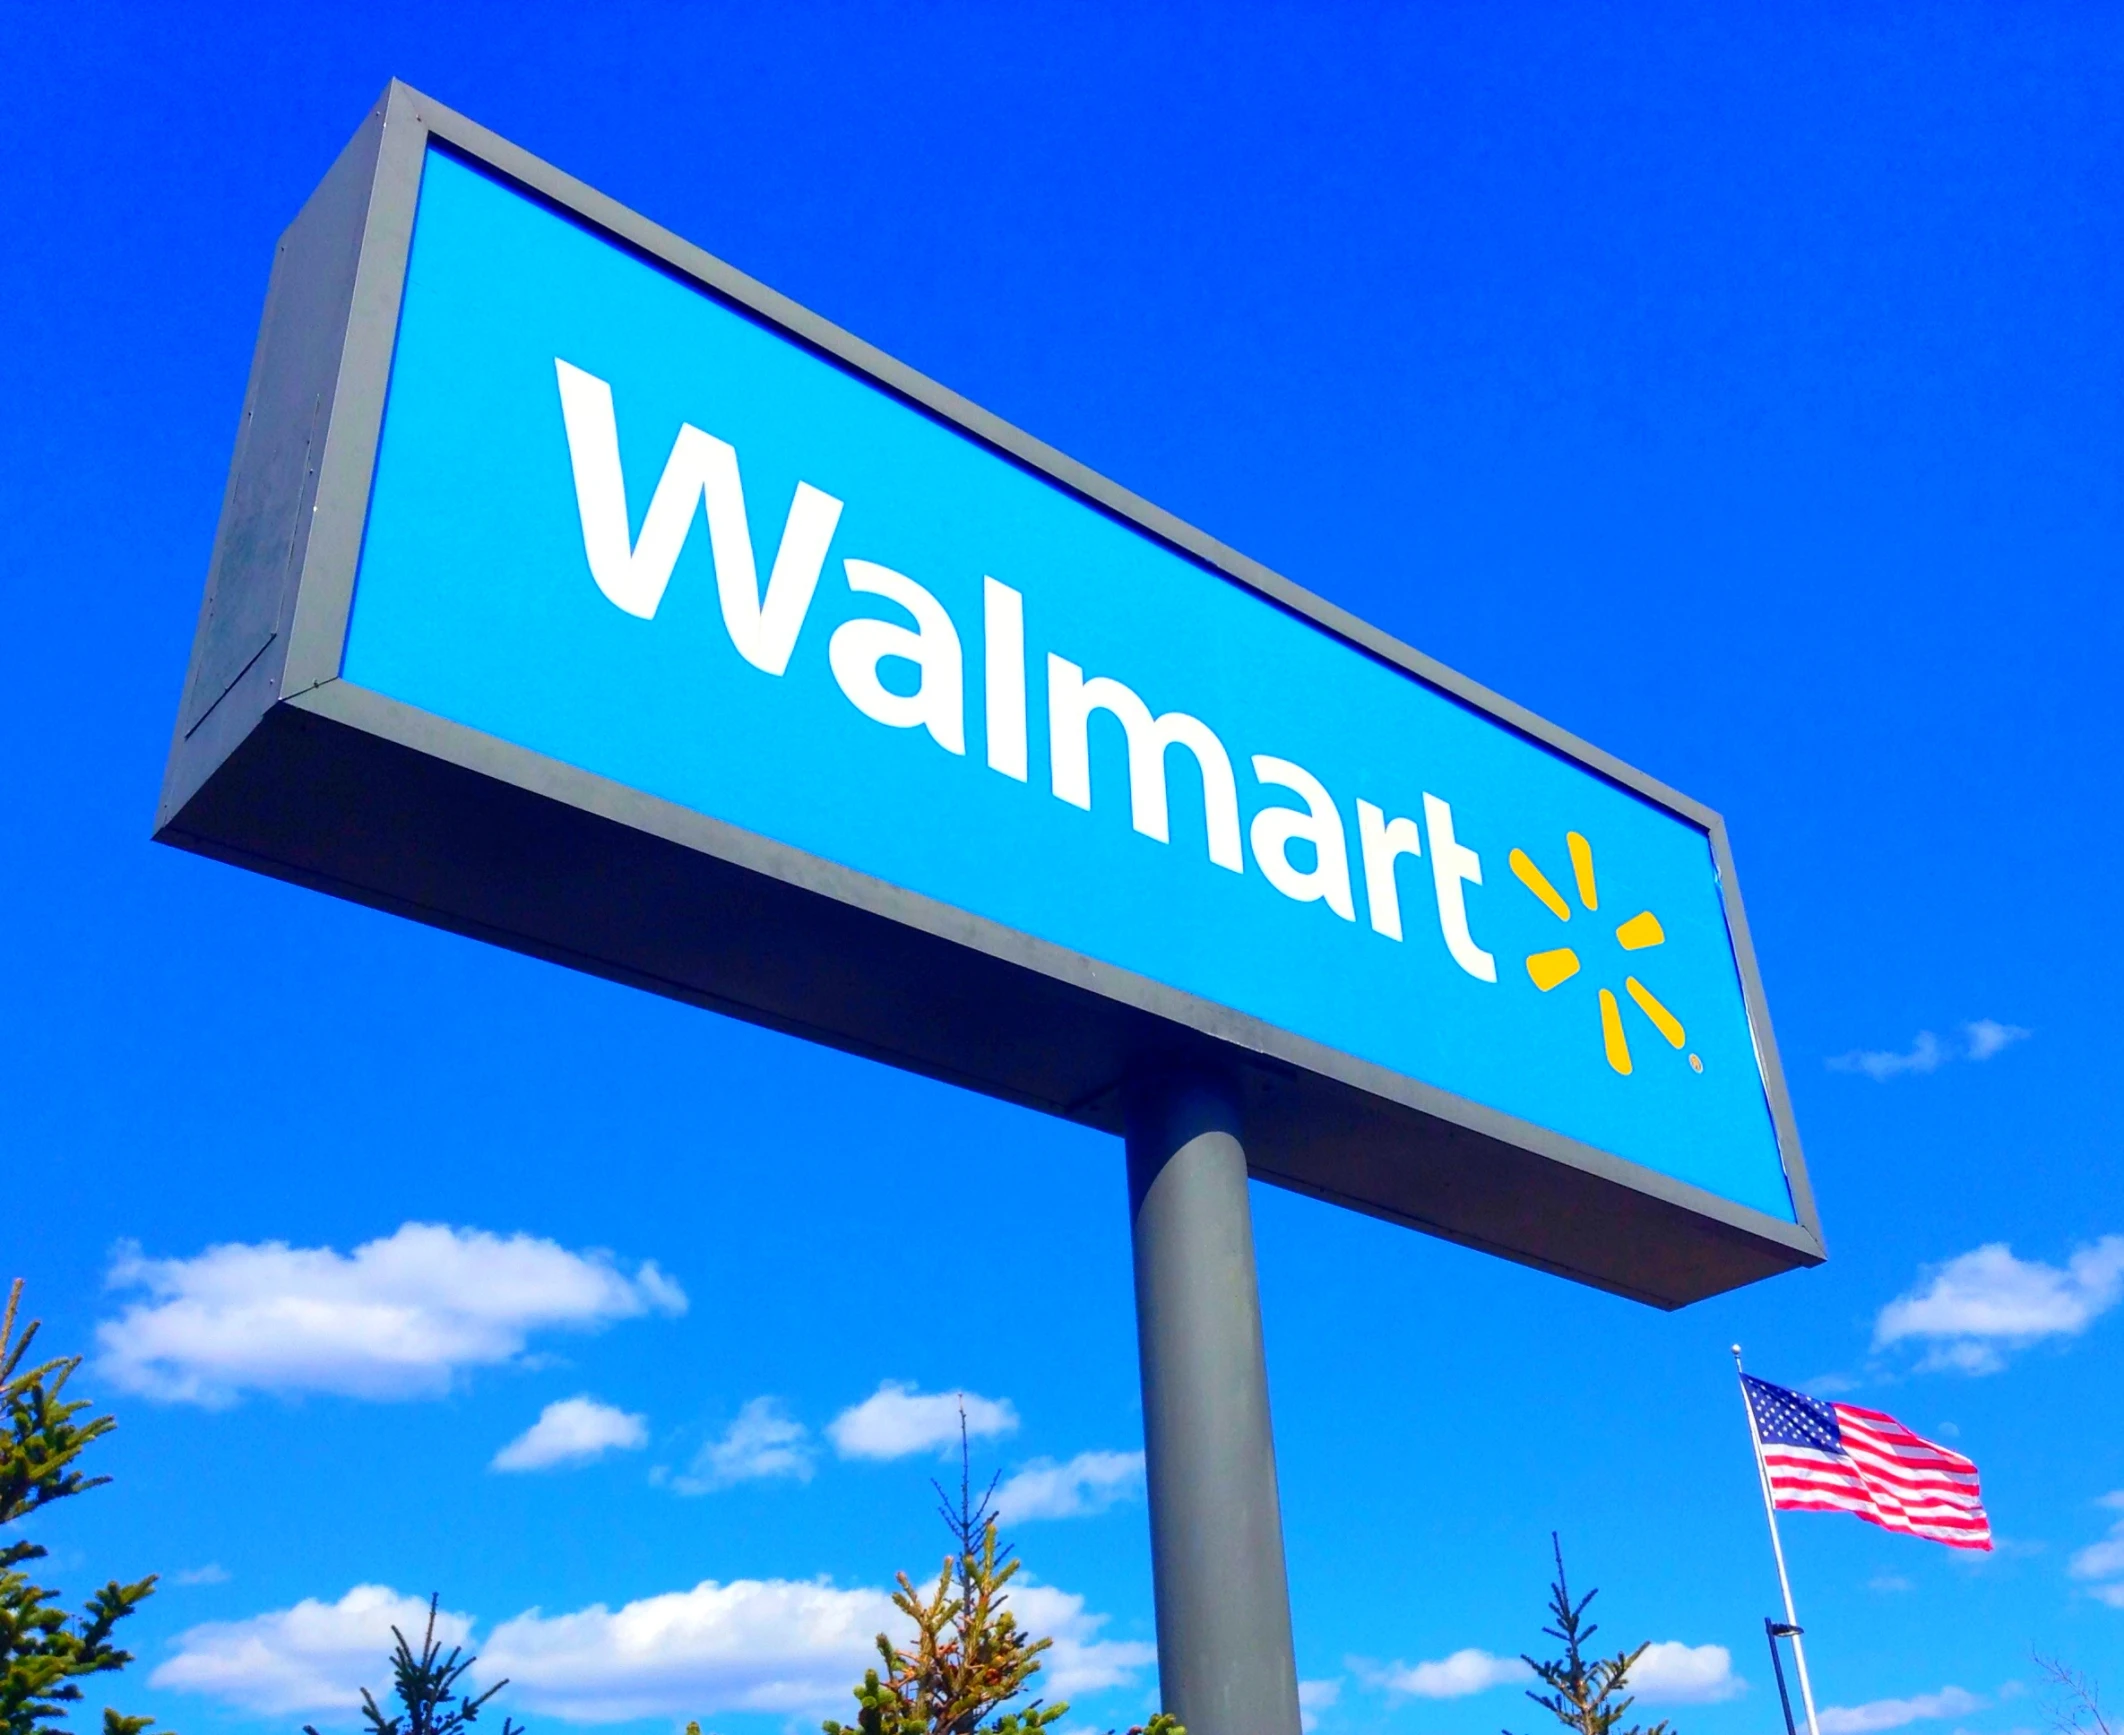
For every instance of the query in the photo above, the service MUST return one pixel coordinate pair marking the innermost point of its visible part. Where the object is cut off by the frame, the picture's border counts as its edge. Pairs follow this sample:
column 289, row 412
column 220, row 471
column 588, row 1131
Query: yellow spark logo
column 1550, row 969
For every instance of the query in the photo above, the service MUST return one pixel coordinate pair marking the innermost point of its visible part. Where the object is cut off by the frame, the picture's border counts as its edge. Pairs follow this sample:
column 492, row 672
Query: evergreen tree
column 969, row 1657
column 427, row 1686
column 45, row 1653
column 1583, row 1695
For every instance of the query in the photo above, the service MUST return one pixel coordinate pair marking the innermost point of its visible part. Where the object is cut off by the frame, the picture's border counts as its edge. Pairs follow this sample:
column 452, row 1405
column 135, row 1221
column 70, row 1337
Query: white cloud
column 1879, row 1714
column 1987, row 1036
column 1454, row 1677
column 1315, row 1697
column 792, row 1646
column 1980, row 1039
column 1881, row 1064
column 896, row 1420
column 788, row 1646
column 2104, row 1560
column 1090, row 1482
column 1081, row 1661
column 211, row 1573
column 396, row 1318
column 315, row 1656
column 1976, row 1307
column 764, row 1441
column 1672, row 1673
column 573, row 1431
column 1889, row 1583
column 1669, row 1673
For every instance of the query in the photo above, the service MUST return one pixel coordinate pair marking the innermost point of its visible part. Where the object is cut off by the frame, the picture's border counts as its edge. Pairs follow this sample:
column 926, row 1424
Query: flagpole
column 1777, row 1548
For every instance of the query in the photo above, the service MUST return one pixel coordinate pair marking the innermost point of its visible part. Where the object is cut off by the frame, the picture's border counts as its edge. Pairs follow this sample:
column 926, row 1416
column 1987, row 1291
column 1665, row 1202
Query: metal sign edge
column 324, row 596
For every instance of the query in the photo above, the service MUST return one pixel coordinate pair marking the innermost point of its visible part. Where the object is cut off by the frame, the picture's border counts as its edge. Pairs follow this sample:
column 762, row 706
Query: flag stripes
column 1822, row 1457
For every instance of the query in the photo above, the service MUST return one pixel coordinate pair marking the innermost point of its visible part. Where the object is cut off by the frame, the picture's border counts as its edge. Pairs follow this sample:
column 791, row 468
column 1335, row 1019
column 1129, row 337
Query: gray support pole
column 1224, row 1610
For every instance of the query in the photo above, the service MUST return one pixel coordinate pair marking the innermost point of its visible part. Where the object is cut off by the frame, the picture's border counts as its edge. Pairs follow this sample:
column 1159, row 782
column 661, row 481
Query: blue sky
column 1737, row 389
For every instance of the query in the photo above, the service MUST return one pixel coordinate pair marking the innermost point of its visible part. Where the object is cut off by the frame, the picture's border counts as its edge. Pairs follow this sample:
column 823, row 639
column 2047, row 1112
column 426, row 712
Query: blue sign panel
column 622, row 524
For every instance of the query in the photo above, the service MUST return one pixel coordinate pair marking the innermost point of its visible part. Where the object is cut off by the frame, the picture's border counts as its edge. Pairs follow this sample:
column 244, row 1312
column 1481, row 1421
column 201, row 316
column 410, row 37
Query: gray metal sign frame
column 281, row 765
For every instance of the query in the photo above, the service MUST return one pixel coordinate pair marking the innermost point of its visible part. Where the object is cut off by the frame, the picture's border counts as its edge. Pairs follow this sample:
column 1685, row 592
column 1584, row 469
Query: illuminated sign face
column 621, row 524
column 627, row 537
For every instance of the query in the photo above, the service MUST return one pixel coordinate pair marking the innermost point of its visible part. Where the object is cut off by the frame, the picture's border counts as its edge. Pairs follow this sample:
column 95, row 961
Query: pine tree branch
column 46, row 1653
column 1583, row 1696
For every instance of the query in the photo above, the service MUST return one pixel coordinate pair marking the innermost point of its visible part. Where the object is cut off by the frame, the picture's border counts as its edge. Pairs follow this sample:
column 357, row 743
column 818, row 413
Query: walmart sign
column 988, row 769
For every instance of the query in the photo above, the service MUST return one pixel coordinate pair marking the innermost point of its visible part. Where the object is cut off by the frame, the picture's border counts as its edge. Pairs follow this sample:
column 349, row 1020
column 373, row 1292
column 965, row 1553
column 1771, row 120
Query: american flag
column 1839, row 1458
